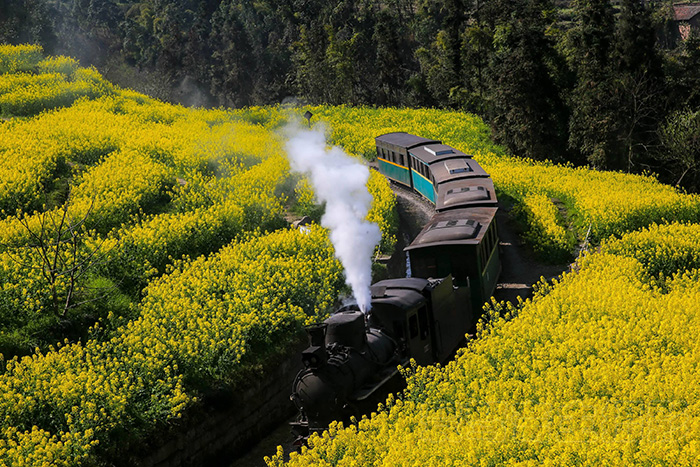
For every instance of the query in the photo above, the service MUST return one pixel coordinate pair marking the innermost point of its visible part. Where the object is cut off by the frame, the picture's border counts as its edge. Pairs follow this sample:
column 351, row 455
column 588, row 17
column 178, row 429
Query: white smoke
column 341, row 182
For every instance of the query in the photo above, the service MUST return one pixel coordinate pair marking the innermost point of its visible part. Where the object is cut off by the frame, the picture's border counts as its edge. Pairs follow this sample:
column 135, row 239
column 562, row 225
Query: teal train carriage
column 462, row 238
column 435, row 164
column 393, row 158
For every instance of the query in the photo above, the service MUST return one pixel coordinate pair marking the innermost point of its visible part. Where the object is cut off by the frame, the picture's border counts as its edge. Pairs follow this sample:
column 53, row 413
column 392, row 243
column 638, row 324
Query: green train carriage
column 463, row 243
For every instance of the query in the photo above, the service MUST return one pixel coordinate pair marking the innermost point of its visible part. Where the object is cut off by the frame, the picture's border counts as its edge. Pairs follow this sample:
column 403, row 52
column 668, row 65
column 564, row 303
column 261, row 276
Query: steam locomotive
column 352, row 359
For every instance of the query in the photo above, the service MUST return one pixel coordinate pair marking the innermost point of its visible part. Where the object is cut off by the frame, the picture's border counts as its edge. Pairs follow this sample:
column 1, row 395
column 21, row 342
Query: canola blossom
column 547, row 231
column 189, row 209
column 601, row 367
column 19, row 58
column 202, row 325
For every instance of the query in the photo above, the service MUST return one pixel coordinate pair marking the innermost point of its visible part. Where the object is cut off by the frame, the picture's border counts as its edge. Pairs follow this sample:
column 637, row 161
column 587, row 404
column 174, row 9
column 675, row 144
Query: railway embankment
column 227, row 424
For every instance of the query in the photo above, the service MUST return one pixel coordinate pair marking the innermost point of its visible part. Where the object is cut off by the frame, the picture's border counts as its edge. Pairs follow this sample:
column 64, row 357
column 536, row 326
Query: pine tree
column 525, row 108
column 593, row 126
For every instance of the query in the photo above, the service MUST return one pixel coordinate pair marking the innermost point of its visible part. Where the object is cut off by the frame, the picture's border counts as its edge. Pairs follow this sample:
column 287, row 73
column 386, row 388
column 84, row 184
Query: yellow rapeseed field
column 186, row 204
column 599, row 368
column 188, row 207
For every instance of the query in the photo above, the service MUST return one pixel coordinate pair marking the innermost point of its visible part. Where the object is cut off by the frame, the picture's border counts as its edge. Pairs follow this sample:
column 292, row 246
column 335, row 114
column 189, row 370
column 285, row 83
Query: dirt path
column 521, row 269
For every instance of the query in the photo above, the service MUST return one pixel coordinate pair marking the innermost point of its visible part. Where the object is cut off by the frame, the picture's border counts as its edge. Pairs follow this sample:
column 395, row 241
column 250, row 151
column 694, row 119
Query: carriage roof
column 455, row 227
column 454, row 194
column 404, row 140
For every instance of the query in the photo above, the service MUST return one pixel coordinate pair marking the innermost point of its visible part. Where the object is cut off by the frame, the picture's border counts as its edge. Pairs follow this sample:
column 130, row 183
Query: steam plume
column 341, row 182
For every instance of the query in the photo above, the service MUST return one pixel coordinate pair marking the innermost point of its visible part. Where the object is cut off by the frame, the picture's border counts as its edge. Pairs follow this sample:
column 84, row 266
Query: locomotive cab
column 400, row 308
column 427, row 317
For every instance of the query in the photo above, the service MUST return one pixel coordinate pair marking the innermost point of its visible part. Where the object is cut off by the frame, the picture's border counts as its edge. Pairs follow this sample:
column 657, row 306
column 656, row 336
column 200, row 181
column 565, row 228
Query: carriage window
column 413, row 326
column 401, row 159
column 488, row 241
column 423, row 322
column 481, row 256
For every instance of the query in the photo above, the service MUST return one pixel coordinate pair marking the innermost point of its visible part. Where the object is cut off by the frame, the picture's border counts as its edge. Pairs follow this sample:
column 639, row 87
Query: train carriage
column 424, row 158
column 444, row 171
column 475, row 192
column 463, row 243
column 393, row 158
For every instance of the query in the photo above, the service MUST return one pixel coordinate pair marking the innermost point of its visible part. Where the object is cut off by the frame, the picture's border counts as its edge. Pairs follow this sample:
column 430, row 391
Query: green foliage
column 680, row 136
column 593, row 98
column 524, row 105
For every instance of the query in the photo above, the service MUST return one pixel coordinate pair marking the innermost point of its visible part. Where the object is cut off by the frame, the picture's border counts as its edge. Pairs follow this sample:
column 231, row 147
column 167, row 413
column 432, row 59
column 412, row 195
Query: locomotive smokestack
column 341, row 182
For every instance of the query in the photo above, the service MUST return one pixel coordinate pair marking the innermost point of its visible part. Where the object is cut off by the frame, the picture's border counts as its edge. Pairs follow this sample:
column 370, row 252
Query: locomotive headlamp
column 314, row 357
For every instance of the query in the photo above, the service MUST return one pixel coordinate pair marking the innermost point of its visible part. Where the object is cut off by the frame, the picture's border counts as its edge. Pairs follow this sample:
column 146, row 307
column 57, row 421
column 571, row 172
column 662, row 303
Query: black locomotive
column 352, row 360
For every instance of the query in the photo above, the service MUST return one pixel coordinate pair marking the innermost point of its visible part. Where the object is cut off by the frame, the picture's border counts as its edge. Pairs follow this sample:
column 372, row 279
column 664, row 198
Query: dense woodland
column 591, row 83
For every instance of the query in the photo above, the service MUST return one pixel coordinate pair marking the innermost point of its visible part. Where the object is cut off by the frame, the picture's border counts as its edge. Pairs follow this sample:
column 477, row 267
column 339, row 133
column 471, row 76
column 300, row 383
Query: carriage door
column 419, row 336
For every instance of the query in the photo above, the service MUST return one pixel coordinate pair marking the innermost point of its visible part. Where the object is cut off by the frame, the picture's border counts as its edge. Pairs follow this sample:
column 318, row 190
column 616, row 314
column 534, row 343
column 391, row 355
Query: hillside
column 146, row 262
column 603, row 84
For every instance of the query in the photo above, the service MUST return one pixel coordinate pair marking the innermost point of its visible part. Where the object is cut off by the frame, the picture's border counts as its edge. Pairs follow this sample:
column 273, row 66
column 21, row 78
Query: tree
column 593, row 101
column 680, row 144
column 442, row 25
column 640, row 84
column 525, row 109
column 27, row 21
column 58, row 249
column 683, row 74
